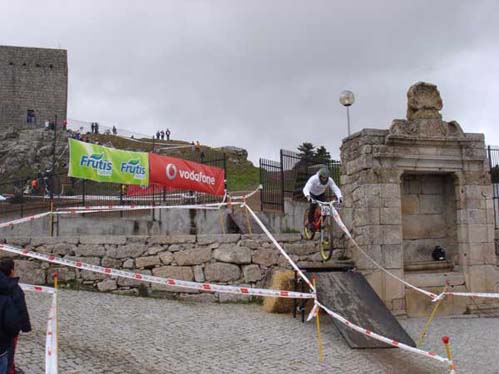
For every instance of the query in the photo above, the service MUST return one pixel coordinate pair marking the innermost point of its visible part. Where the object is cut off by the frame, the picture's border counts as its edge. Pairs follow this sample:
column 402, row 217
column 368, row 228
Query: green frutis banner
column 103, row 164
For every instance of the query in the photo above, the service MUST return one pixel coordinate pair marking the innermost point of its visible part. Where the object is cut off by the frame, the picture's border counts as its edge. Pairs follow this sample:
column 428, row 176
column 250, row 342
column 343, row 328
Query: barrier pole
column 452, row 367
column 248, row 223
column 51, row 228
column 56, row 328
column 318, row 323
column 430, row 319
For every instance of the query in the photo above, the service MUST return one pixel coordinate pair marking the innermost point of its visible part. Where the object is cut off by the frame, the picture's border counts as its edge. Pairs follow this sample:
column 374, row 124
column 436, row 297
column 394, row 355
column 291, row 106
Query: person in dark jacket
column 7, row 269
column 9, row 321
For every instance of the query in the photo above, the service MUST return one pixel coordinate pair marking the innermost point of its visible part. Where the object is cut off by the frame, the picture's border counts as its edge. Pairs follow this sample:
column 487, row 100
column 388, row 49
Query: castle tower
column 33, row 85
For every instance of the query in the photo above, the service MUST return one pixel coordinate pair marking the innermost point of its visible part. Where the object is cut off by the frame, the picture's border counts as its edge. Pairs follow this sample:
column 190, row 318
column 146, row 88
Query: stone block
column 147, row 262
column 64, row 274
column 127, row 282
column 392, row 234
column 198, row 273
column 410, row 204
column 432, row 184
column 478, row 234
column 435, row 280
column 288, row 238
column 166, row 258
column 481, row 254
column 419, row 305
column 394, row 289
column 393, row 256
column 300, row 249
column 88, row 275
column 209, row 239
column 19, row 242
column 362, row 262
column 252, row 273
column 129, row 264
column 30, row 272
column 193, row 256
column 174, row 272
column 107, row 285
column 424, row 227
column 113, row 263
column 482, row 278
column 154, row 250
column 433, row 204
column 132, row 250
column 220, row 272
column 89, row 250
column 251, row 244
column 172, row 239
column 103, row 239
column 390, row 216
column 265, row 256
column 234, row 298
column 477, row 217
column 232, row 254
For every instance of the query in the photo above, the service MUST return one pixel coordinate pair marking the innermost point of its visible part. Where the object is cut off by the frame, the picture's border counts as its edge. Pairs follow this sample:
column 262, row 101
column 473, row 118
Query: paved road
column 104, row 333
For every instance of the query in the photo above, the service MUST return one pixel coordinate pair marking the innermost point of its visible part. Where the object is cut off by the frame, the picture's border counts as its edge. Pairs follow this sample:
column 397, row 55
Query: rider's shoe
column 311, row 227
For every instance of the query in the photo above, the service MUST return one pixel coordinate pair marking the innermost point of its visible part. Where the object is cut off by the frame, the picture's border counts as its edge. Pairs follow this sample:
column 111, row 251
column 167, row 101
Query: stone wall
column 32, row 78
column 222, row 259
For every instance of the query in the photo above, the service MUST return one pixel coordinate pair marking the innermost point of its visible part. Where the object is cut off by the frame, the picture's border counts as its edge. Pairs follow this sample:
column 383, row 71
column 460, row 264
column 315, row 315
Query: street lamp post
column 347, row 99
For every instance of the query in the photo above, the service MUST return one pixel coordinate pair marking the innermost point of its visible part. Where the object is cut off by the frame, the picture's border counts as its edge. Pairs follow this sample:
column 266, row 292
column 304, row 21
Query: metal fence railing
column 25, row 198
column 287, row 177
column 493, row 156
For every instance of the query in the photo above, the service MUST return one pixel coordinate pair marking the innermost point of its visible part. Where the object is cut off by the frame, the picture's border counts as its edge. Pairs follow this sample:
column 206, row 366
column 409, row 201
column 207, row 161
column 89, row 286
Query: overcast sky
column 265, row 75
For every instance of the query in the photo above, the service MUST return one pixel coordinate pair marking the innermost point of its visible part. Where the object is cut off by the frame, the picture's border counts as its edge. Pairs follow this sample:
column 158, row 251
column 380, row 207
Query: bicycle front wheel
column 307, row 233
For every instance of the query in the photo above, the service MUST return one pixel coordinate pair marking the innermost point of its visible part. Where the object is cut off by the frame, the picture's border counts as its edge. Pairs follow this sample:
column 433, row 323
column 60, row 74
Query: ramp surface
column 350, row 295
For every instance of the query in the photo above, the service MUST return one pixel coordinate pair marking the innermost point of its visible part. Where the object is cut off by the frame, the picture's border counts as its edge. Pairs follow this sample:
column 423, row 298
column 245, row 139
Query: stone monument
column 423, row 183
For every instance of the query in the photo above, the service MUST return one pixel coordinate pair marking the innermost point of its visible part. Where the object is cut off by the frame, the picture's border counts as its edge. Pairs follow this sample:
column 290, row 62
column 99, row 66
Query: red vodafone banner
column 185, row 175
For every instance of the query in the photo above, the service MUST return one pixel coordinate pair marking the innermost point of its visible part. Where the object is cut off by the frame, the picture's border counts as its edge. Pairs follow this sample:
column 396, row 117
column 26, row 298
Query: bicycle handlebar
column 332, row 202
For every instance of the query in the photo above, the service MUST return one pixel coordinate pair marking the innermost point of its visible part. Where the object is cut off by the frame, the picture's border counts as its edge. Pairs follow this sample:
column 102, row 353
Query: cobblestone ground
column 104, row 333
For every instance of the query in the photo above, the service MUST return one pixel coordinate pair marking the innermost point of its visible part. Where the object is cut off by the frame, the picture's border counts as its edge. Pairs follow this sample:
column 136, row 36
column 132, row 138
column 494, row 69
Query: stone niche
column 419, row 184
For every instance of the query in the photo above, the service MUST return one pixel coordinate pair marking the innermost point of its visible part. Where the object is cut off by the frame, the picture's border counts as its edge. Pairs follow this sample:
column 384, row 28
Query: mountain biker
column 315, row 188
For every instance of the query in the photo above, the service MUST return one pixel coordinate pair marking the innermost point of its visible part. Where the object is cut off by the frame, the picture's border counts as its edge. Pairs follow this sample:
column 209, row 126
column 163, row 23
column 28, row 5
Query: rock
column 166, row 258
column 124, row 251
column 155, row 250
column 64, row 274
column 423, row 102
column 252, row 273
column 127, row 282
column 30, row 272
column 108, row 262
column 129, row 264
column 198, row 274
column 107, row 285
column 193, row 256
column 209, row 239
column 103, row 239
column 90, row 250
column 219, row 272
column 174, row 272
column 265, row 256
column 232, row 254
column 147, row 262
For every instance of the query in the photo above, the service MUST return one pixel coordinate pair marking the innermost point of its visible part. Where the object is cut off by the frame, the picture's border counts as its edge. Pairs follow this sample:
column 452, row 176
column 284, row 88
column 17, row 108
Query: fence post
column 83, row 184
column 282, row 180
column 262, row 184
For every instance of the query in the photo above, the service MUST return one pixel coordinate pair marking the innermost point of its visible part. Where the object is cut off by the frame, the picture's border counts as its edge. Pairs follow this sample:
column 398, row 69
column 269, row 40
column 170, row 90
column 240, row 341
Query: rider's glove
column 307, row 197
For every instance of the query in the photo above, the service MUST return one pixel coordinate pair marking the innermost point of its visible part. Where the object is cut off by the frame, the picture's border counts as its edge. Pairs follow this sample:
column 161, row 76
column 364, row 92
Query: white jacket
column 315, row 187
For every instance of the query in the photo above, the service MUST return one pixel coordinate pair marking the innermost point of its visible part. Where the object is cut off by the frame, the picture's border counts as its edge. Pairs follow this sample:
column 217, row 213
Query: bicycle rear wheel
column 307, row 233
column 326, row 243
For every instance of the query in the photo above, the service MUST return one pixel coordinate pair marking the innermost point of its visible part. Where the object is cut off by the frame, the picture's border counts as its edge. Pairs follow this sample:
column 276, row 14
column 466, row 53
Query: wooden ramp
column 350, row 295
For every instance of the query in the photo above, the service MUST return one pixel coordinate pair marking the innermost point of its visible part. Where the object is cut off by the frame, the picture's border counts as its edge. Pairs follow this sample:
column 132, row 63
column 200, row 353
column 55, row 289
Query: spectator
column 115, row 131
column 65, row 125
column 92, row 127
column 168, row 132
column 8, row 272
column 34, row 186
column 198, row 146
column 96, row 127
column 201, row 156
column 193, row 146
column 47, row 124
column 162, row 135
column 158, row 134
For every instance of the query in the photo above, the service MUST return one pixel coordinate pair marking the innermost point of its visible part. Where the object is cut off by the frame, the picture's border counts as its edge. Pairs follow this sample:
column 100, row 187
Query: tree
column 306, row 151
column 322, row 155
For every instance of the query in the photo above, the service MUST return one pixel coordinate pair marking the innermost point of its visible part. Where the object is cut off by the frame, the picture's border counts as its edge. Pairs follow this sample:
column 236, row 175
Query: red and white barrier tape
column 283, row 252
column 207, row 287
column 51, row 339
column 382, row 338
column 22, row 220
column 340, row 223
column 35, row 288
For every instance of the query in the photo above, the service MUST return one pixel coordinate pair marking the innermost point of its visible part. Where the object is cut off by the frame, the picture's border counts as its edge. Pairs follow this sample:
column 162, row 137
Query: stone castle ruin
column 423, row 183
column 33, row 85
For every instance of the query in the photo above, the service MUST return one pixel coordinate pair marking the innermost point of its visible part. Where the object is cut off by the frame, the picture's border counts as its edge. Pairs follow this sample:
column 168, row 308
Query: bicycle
column 323, row 223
